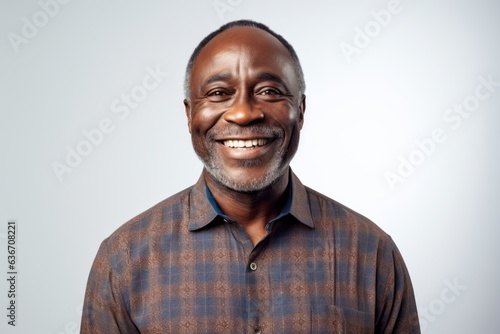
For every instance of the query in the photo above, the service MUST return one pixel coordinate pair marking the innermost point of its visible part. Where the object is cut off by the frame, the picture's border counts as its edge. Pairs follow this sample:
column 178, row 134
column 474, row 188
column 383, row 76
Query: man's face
column 245, row 110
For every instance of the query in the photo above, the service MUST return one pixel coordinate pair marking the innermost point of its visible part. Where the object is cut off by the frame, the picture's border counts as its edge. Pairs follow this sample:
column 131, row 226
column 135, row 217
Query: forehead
column 248, row 45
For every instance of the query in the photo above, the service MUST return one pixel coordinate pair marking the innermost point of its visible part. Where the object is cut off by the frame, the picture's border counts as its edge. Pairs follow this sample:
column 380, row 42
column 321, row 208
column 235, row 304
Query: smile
column 250, row 143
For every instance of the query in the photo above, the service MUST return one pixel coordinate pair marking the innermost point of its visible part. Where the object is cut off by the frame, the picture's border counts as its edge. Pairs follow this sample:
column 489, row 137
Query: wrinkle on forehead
column 244, row 50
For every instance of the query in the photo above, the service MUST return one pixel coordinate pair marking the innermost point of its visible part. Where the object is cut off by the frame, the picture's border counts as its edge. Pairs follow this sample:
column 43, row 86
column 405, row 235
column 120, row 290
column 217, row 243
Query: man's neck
column 252, row 210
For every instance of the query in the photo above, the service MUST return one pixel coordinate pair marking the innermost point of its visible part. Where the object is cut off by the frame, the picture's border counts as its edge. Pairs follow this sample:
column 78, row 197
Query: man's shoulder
column 153, row 219
column 330, row 213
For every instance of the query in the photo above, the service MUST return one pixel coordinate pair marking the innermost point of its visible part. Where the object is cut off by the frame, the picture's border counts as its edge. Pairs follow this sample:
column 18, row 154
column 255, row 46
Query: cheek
column 203, row 120
column 196, row 131
column 290, row 120
column 293, row 129
column 293, row 115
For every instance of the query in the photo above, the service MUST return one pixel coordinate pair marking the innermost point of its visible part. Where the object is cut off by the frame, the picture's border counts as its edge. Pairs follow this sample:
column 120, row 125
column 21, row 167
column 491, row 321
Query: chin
column 268, row 172
column 247, row 185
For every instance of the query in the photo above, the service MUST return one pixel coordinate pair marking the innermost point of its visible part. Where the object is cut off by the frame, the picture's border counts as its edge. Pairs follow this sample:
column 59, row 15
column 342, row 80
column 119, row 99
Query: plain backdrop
column 383, row 134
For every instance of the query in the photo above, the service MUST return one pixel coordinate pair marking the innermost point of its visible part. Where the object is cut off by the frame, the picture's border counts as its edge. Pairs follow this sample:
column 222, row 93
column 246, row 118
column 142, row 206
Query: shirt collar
column 204, row 210
column 201, row 212
column 300, row 207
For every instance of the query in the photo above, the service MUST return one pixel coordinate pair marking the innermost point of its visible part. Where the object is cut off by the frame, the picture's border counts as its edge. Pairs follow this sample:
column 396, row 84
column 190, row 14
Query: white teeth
column 245, row 143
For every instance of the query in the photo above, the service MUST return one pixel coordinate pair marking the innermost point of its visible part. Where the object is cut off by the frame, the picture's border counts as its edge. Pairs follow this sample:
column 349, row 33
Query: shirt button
column 257, row 330
column 253, row 267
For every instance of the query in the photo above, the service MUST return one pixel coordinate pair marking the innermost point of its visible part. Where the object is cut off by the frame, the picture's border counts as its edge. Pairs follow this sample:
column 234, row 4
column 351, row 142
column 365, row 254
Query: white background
column 364, row 113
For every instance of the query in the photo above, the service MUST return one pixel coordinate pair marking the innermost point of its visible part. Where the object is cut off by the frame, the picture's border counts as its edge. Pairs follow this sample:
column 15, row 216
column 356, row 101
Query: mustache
column 233, row 130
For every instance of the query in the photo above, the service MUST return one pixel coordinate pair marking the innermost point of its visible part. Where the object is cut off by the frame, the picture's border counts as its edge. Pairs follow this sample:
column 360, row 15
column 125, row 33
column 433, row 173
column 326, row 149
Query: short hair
column 242, row 23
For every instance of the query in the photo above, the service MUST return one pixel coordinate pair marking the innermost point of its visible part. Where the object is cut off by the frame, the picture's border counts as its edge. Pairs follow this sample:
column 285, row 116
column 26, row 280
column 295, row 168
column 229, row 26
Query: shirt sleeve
column 396, row 306
column 105, row 309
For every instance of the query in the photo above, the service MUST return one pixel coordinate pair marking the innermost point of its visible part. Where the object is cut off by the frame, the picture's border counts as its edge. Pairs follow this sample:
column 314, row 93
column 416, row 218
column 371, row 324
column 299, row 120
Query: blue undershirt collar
column 284, row 211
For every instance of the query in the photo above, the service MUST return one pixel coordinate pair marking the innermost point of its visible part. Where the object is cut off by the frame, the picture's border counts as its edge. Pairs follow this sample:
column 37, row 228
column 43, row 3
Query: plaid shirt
column 183, row 267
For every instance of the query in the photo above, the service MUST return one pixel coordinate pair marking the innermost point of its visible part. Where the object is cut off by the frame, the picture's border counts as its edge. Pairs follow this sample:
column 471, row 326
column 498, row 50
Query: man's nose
column 243, row 112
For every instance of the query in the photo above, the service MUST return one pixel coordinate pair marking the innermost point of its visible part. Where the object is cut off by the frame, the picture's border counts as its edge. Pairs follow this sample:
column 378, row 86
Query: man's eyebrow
column 260, row 76
column 217, row 77
column 272, row 77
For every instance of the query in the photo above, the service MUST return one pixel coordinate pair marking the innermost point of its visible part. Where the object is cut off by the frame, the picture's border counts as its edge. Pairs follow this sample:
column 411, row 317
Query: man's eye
column 217, row 93
column 270, row 92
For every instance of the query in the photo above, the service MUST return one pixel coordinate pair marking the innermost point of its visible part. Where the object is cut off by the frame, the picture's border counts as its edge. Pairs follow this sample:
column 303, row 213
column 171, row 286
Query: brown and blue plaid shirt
column 184, row 267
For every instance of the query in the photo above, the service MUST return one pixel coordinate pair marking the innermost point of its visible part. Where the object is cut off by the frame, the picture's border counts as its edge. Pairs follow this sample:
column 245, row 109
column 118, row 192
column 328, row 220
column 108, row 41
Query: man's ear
column 187, row 107
column 302, row 110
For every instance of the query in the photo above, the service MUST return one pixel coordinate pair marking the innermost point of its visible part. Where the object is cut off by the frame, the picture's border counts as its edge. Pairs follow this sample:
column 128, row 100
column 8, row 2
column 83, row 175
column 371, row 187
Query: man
column 248, row 248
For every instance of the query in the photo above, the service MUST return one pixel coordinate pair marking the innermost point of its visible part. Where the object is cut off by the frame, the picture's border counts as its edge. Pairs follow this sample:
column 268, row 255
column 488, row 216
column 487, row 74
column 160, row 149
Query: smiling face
column 245, row 109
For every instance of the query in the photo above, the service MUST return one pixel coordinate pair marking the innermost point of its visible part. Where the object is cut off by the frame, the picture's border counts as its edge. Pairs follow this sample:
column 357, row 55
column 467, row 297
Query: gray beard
column 277, row 167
